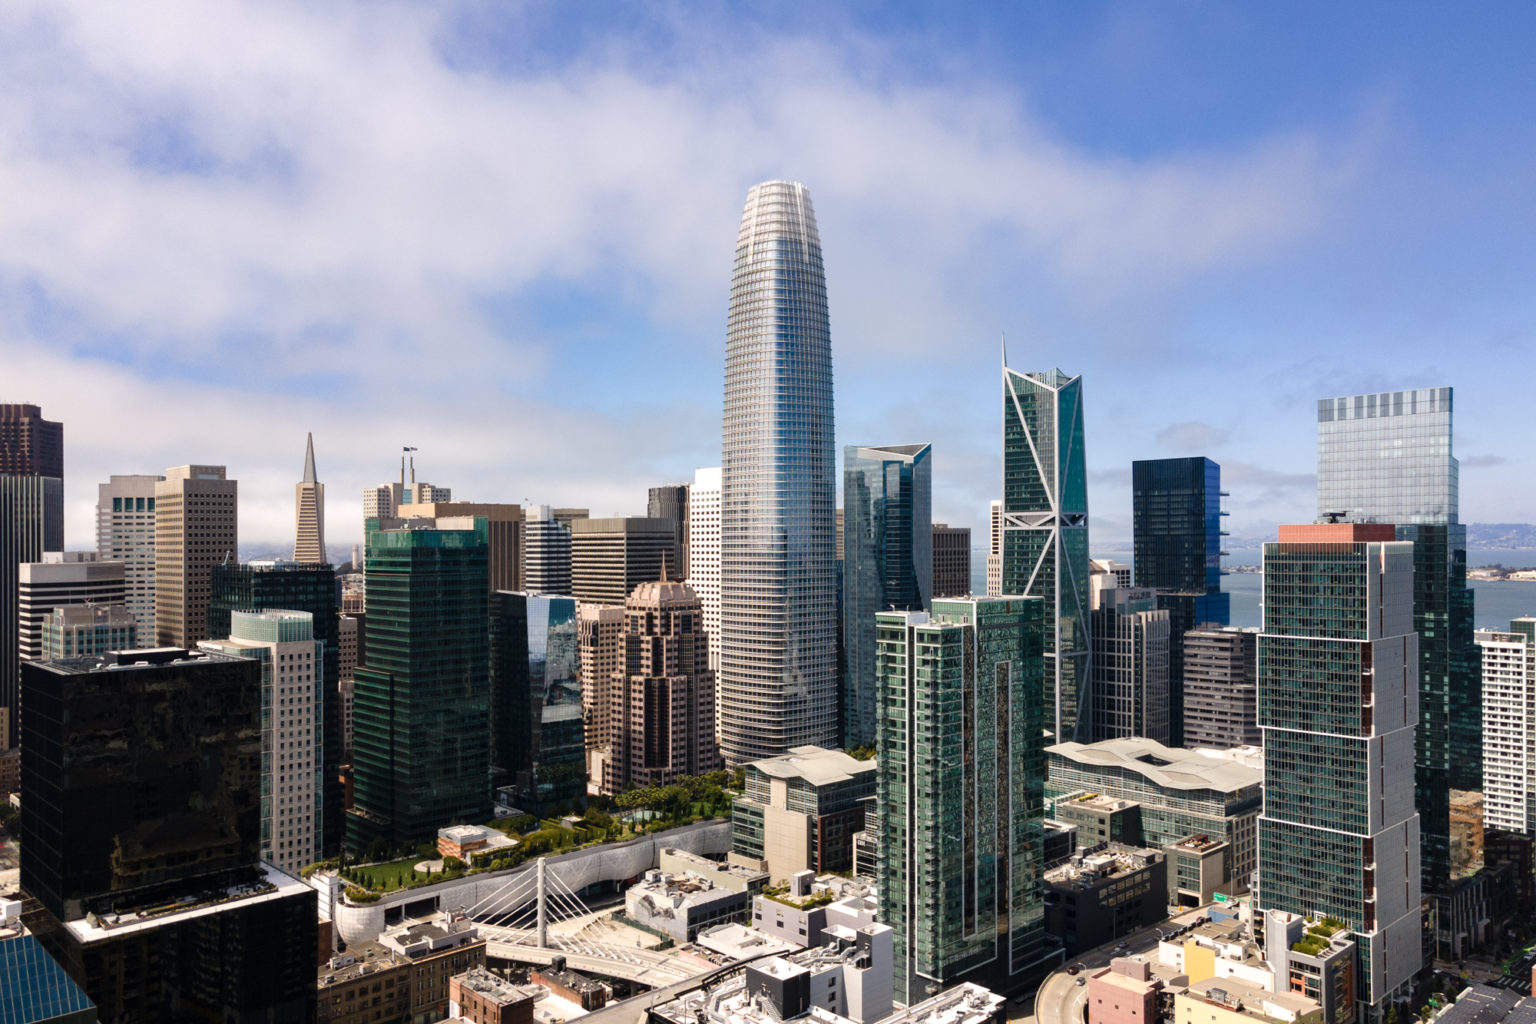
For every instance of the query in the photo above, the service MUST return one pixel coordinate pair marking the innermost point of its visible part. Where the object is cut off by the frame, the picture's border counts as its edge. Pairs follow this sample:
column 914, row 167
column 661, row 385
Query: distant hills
column 1501, row 536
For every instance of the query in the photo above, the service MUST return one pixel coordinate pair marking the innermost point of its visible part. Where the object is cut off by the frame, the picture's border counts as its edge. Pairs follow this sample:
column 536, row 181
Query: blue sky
column 502, row 233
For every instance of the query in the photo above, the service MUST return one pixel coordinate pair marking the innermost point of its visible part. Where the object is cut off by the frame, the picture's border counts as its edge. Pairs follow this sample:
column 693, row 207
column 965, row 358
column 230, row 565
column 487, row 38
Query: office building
column 1045, row 532
column 31, row 522
column 79, row 631
column 995, row 549
column 143, row 774
column 62, row 579
column 421, row 702
column 704, row 553
column 887, row 562
column 386, row 500
column 959, row 801
column 540, row 745
column 196, row 528
column 309, row 512
column 611, row 557
column 662, row 701
column 1387, row 458
column 34, row 989
column 601, row 647
column 778, row 566
column 1180, row 793
column 800, row 810
column 281, row 585
column 1338, row 699
column 292, row 734
column 951, row 560
column 125, row 532
column 1098, row 897
column 1130, row 661
column 671, row 502
column 1221, row 687
column 504, row 559
column 547, row 553
column 1509, row 726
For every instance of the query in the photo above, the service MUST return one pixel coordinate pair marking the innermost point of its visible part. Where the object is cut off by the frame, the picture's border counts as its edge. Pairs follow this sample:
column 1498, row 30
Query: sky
column 502, row 233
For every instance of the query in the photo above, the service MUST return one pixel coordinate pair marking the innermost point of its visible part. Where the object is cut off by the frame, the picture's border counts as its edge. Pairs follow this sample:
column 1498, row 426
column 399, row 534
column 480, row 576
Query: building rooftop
column 741, row 942
column 1169, row 767
column 1096, row 801
column 816, row 765
column 1090, row 869
column 361, row 958
column 270, row 884
column 147, row 657
column 1199, row 844
column 1253, row 1001
column 1484, row 1004
column 964, row 1004
column 503, row 992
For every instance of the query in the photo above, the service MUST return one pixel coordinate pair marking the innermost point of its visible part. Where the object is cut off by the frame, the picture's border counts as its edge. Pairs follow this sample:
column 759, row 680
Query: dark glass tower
column 887, row 562
column 778, row 567
column 421, row 706
column 1176, row 520
column 1387, row 458
column 289, row 586
column 1045, row 532
column 540, row 738
column 31, row 522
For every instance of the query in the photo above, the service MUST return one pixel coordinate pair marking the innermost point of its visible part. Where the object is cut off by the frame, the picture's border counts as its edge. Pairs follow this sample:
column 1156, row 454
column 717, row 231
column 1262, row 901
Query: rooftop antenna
column 402, row 467
column 1004, row 336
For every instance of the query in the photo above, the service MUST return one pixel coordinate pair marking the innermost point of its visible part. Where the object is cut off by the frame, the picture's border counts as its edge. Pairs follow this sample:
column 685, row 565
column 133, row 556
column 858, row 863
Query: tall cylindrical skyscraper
column 778, row 567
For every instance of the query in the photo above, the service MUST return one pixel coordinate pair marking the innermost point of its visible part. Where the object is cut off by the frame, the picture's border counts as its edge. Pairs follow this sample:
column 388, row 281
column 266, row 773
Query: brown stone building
column 478, row 995
column 611, row 557
column 196, row 528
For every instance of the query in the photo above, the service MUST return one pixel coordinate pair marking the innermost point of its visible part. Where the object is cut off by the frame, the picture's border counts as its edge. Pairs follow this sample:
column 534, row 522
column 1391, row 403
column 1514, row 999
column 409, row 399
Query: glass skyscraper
column 887, row 562
column 1045, row 531
column 1386, row 458
column 1338, row 689
column 960, row 793
column 537, row 728
column 778, row 566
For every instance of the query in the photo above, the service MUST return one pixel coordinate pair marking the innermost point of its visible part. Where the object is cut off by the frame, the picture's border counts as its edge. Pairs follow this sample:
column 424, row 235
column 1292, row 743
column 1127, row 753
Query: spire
column 309, row 461
column 1004, row 337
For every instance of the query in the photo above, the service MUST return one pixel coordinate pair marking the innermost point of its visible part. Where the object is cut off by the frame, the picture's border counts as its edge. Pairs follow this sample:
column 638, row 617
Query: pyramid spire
column 309, row 461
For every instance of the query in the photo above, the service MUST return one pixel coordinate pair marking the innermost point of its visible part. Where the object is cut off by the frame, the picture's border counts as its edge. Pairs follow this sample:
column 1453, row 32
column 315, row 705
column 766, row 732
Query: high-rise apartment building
column 292, row 729
column 536, row 694
column 1130, row 661
column 671, row 502
column 887, row 562
column 995, row 549
column 421, row 707
column 547, row 558
column 1338, row 702
column 125, row 532
column 959, row 798
column 60, row 580
column 281, row 585
column 1387, row 458
column 141, row 840
column 1045, row 532
column 662, row 701
column 951, row 560
column 309, row 512
column 704, row 553
column 778, row 567
column 1509, row 726
column 31, row 522
column 506, row 525
column 196, row 528
column 611, row 557
column 1221, row 687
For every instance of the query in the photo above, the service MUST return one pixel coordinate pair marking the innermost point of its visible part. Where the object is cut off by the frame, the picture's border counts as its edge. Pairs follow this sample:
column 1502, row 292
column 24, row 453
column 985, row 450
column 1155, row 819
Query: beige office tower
column 611, row 557
column 704, row 552
column 196, row 528
column 600, row 645
column 995, row 553
column 309, row 513
column 662, row 698
column 125, row 532
column 62, row 579
column 506, row 533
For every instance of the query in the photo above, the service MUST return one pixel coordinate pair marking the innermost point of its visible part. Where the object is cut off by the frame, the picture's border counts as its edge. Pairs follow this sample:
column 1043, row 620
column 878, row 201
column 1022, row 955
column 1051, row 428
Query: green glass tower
column 960, row 796
column 421, row 706
column 1045, row 532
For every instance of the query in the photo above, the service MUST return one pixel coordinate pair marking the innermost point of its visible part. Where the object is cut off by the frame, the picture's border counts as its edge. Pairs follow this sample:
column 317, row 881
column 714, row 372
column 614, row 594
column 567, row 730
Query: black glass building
column 540, row 738
column 421, row 707
column 282, row 585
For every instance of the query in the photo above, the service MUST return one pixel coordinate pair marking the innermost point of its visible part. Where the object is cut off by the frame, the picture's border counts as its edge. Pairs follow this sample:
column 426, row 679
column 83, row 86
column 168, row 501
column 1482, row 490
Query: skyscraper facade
column 506, row 525
column 995, row 548
column 309, row 512
column 196, row 528
column 670, row 501
column 421, row 704
column 547, row 562
column 611, row 557
column 704, row 552
column 887, row 562
column 125, row 532
column 537, row 693
column 1387, row 458
column 1130, row 661
column 1509, row 726
column 62, row 579
column 1045, row 532
column 778, row 569
column 959, row 798
column 951, row 560
column 1221, row 687
column 1338, row 701
column 29, row 444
